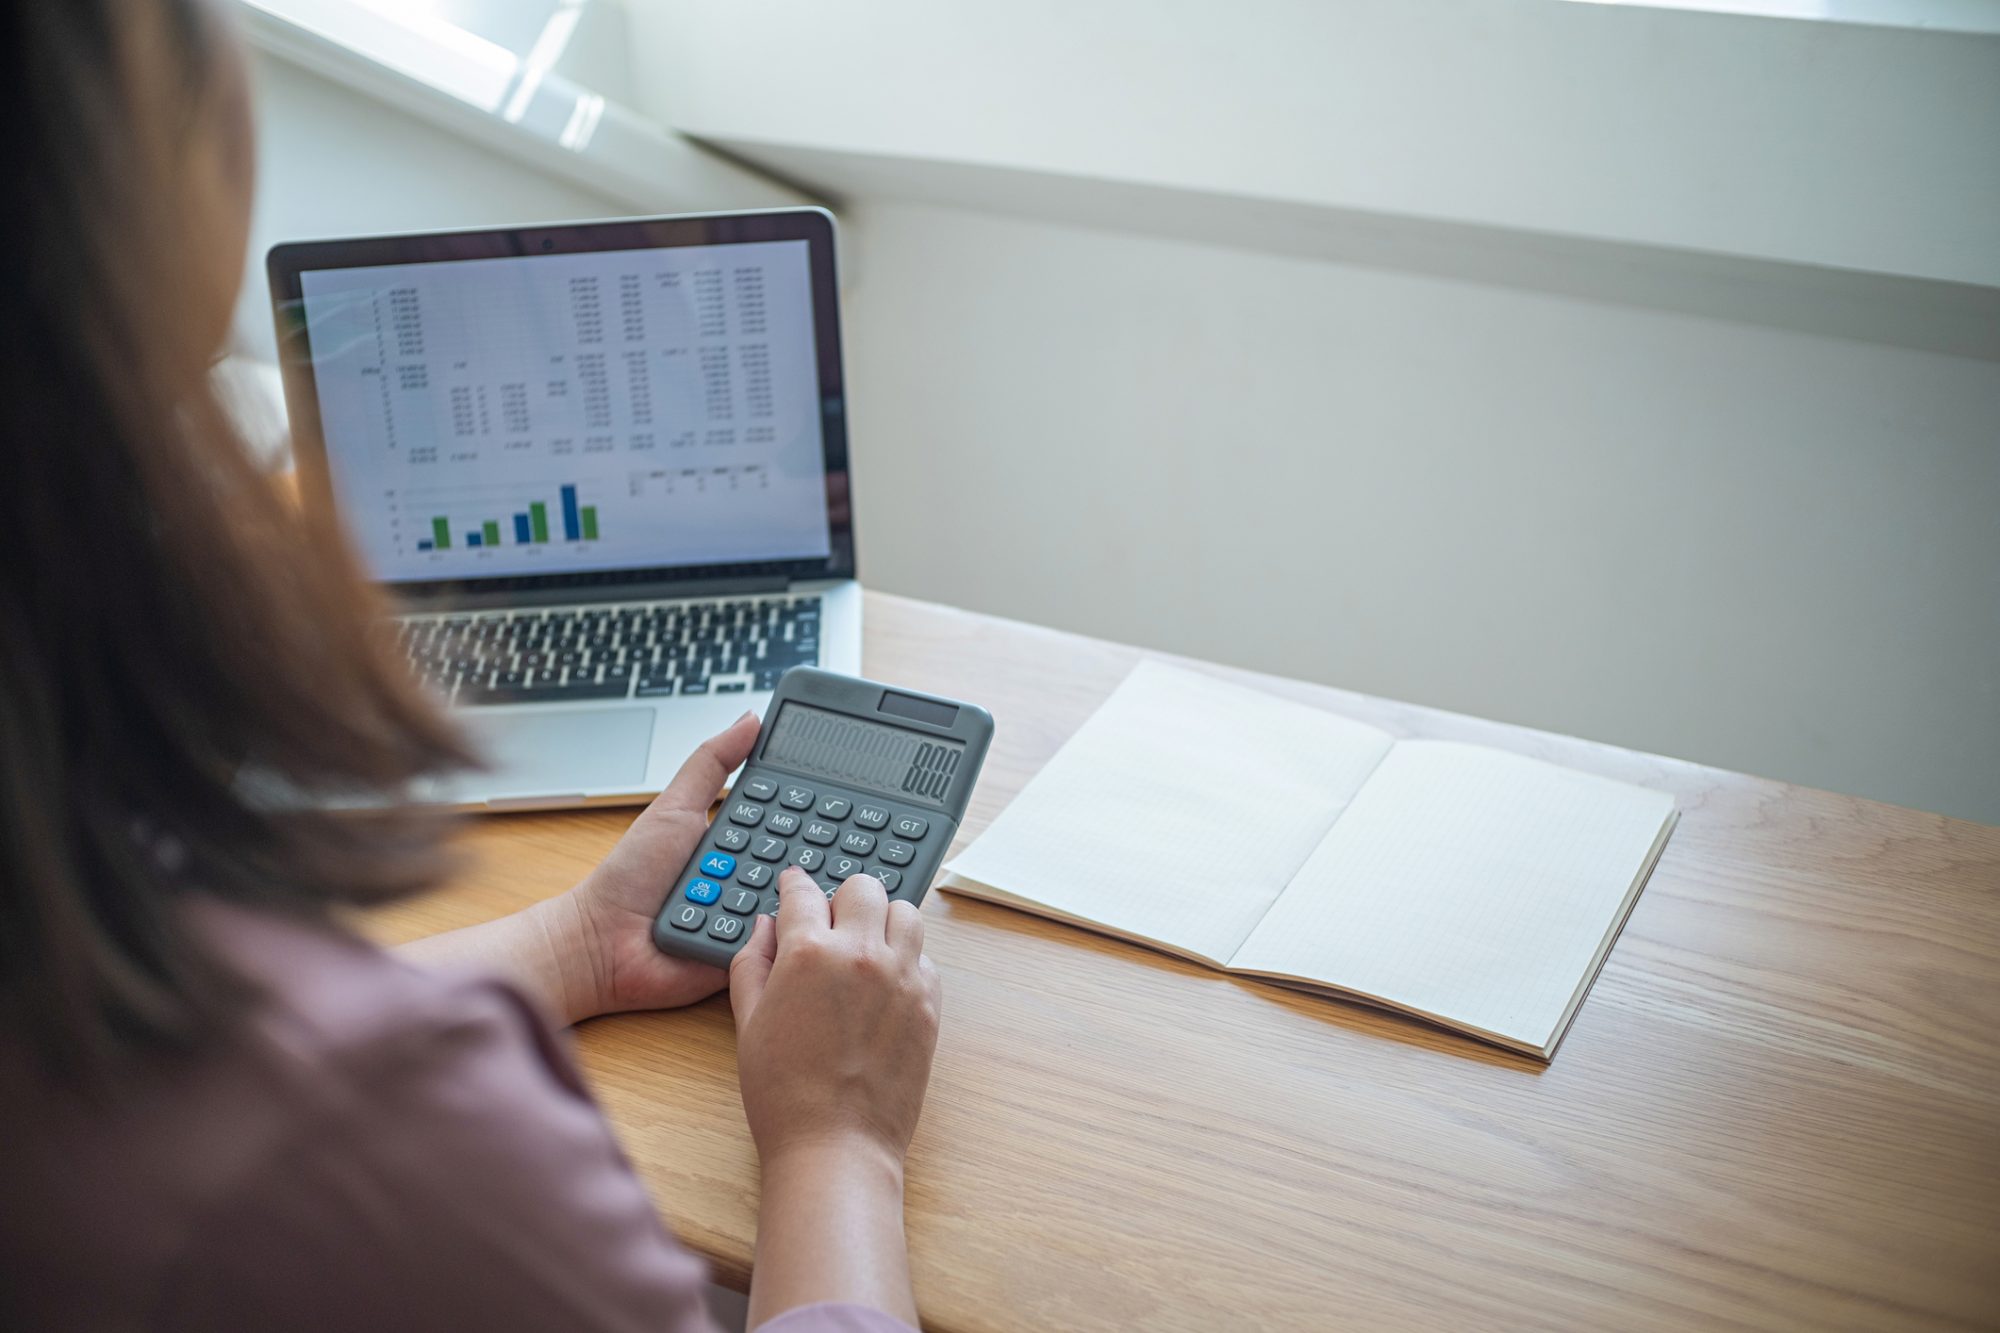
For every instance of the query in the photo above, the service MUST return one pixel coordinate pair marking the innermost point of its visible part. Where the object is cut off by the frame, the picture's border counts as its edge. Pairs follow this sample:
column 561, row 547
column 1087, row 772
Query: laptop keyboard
column 628, row 650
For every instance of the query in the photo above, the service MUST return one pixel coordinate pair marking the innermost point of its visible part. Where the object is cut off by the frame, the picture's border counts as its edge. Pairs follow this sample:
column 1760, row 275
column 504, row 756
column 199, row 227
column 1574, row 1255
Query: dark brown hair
column 187, row 665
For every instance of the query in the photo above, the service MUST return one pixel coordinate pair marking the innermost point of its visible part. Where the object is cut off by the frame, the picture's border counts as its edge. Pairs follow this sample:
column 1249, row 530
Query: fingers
column 802, row 908
column 700, row 780
column 906, row 931
column 862, row 906
column 750, row 969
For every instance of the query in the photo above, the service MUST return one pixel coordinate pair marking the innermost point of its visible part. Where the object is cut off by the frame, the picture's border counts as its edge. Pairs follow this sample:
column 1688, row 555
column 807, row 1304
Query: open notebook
column 1475, row 888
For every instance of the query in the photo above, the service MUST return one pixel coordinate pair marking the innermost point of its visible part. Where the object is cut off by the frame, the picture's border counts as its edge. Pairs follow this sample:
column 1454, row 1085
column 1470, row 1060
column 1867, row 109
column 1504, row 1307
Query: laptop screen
column 547, row 414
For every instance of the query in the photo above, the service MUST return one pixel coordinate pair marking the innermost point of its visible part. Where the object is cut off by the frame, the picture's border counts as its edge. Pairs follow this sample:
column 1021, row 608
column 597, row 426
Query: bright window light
column 495, row 55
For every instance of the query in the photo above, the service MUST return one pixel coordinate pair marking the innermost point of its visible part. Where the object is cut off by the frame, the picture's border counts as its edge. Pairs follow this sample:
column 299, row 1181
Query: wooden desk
column 1779, row 1107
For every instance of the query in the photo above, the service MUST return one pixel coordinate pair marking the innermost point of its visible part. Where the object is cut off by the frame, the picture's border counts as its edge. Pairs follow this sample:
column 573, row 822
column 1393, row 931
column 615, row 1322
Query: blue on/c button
column 719, row 864
column 703, row 891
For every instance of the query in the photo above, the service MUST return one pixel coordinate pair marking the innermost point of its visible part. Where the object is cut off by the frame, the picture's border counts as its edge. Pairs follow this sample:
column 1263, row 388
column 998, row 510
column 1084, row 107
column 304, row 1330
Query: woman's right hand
column 836, row 1020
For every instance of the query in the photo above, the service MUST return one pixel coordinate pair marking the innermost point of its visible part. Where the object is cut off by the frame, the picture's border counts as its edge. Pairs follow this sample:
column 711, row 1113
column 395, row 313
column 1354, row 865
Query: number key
column 809, row 859
column 726, row 928
column 768, row 849
column 758, row 789
column 741, row 901
column 911, row 827
column 857, row 842
column 898, row 853
column 689, row 917
column 754, row 873
column 838, row 868
column 871, row 816
column 746, row 814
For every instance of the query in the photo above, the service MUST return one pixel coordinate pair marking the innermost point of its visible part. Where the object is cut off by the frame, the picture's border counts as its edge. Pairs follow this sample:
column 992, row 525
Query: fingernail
column 748, row 712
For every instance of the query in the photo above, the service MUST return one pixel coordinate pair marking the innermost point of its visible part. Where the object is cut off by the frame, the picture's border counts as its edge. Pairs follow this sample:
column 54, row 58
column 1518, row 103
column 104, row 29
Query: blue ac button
column 718, row 865
column 705, row 890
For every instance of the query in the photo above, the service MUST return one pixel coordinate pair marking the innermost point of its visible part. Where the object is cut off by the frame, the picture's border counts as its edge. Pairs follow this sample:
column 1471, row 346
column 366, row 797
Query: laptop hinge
column 584, row 596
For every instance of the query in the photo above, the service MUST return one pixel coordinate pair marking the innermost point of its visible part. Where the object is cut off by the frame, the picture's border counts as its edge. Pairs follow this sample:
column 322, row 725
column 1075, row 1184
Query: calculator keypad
column 769, row 823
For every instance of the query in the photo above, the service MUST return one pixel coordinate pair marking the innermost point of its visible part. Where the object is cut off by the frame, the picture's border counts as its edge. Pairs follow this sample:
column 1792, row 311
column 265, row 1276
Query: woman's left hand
column 590, row 951
column 615, row 965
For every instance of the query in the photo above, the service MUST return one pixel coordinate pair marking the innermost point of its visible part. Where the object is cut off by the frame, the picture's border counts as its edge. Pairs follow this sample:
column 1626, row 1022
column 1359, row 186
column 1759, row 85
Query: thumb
column 750, row 969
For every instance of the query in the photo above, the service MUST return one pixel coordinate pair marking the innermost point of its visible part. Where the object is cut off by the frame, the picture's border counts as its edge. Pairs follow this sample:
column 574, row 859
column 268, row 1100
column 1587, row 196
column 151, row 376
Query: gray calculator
column 848, row 777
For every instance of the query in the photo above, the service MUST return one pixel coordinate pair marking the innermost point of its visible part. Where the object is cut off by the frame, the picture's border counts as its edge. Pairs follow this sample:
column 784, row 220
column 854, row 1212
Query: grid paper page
column 1176, row 813
column 1466, row 884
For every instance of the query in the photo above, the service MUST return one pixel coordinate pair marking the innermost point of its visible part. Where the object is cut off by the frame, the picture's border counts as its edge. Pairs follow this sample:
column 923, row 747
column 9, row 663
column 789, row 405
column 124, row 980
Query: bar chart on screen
column 485, row 517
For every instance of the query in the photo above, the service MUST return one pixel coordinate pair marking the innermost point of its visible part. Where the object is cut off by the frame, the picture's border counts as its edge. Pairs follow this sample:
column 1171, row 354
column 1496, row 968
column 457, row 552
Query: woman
column 220, row 1109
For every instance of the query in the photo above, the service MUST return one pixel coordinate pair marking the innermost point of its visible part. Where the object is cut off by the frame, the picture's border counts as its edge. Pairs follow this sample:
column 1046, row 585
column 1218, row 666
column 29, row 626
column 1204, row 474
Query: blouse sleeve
column 453, row 1173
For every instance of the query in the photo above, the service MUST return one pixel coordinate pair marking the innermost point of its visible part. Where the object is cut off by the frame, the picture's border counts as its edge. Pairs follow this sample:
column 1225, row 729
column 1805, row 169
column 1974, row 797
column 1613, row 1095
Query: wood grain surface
column 1778, row 1108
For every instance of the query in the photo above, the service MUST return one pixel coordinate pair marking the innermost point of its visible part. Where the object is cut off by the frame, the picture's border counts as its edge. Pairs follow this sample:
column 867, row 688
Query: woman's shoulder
column 440, row 1143
column 337, row 1128
column 321, row 994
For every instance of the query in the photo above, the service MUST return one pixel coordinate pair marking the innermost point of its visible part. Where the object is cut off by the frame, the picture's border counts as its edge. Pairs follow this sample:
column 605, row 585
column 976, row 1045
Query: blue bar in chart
column 523, row 534
column 572, row 523
column 426, row 545
column 472, row 539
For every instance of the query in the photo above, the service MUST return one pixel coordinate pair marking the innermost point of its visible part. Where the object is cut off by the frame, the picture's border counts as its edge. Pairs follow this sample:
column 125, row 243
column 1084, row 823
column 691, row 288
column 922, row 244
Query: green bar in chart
column 440, row 533
column 538, row 518
column 590, row 523
column 491, row 531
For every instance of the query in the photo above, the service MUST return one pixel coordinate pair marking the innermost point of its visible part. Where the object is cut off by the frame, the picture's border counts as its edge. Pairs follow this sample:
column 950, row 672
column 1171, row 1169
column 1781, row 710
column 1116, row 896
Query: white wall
column 1473, row 352
column 331, row 162
column 1846, row 145
column 1756, row 548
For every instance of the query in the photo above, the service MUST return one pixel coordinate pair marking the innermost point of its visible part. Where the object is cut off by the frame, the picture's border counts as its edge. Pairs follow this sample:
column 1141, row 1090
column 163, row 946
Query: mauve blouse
column 378, row 1148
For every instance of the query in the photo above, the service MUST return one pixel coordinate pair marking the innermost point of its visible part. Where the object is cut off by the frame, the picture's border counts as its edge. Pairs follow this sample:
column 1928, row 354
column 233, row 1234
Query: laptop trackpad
column 554, row 754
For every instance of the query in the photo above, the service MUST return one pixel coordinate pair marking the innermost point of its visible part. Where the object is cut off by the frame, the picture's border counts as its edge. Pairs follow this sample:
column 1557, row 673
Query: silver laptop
column 601, row 466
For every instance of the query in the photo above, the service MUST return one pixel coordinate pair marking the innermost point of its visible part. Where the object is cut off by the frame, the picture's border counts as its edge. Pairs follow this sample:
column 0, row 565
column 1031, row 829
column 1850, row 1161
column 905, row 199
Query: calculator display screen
column 867, row 754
